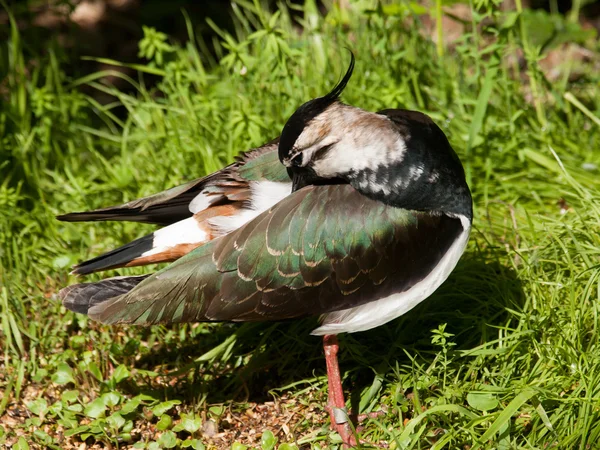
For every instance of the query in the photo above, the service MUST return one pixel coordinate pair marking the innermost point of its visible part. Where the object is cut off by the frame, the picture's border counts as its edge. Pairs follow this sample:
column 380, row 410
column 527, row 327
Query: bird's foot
column 341, row 420
column 358, row 420
column 341, row 423
column 372, row 415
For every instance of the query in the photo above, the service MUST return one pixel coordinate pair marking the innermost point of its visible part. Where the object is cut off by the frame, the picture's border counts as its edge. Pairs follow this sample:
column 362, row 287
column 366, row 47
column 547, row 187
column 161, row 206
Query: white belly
column 383, row 310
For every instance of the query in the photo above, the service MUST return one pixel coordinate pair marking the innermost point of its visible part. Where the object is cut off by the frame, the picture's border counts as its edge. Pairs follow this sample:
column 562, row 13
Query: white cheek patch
column 368, row 150
column 309, row 153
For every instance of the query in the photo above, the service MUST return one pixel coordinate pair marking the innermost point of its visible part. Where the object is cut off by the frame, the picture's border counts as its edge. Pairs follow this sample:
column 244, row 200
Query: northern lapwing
column 351, row 215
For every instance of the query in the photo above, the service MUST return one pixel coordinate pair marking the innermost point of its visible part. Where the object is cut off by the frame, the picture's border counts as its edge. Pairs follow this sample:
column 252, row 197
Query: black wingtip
column 81, row 297
column 87, row 216
column 115, row 258
column 67, row 217
column 73, row 299
column 102, row 215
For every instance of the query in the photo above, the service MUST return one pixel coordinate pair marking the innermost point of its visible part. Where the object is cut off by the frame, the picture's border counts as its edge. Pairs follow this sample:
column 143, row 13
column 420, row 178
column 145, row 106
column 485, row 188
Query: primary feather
column 81, row 297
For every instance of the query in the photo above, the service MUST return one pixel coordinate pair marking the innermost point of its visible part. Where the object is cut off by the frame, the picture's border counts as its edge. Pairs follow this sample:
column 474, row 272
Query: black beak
column 298, row 181
column 301, row 177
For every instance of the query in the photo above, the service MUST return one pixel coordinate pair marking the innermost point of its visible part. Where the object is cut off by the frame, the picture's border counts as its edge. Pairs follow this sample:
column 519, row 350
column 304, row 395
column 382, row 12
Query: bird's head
column 308, row 130
column 326, row 139
column 397, row 156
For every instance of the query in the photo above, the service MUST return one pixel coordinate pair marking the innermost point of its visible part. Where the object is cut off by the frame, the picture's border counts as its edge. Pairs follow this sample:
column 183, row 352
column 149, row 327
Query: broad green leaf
column 115, row 420
column 190, row 423
column 268, row 440
column 163, row 407
column 40, row 375
column 69, row 423
column 121, row 373
column 21, row 444
column 510, row 19
column 69, row 396
column 287, row 447
column 164, row 423
column 75, row 407
column 482, row 401
column 42, row 436
column 167, row 440
column 63, row 374
column 55, row 408
column 95, row 408
column 38, row 406
column 196, row 444
column 128, row 426
column 93, row 368
column 217, row 410
column 131, row 405
column 111, row 399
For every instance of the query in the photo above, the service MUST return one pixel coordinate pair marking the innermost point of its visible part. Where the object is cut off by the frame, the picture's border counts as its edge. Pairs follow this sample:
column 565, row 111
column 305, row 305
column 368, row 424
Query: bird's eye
column 297, row 160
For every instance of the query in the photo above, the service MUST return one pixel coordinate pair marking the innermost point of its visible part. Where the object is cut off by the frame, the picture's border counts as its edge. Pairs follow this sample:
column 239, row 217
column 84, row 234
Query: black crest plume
column 308, row 111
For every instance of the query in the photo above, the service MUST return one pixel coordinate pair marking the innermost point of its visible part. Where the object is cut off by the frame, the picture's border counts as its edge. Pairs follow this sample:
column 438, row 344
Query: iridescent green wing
column 263, row 164
column 322, row 249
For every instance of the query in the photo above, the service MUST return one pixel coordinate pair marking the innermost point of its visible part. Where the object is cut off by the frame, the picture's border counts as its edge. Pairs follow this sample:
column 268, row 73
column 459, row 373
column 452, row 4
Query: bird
column 350, row 215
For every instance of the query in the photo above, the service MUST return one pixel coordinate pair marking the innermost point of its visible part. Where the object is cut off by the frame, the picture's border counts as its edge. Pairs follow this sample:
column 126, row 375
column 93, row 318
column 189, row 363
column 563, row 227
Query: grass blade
column 505, row 416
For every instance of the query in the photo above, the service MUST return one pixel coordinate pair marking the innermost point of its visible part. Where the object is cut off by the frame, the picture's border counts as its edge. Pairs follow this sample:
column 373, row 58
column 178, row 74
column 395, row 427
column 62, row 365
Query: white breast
column 383, row 310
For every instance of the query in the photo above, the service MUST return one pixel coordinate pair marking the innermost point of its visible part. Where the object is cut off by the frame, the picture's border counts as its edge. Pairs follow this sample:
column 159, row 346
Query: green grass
column 505, row 355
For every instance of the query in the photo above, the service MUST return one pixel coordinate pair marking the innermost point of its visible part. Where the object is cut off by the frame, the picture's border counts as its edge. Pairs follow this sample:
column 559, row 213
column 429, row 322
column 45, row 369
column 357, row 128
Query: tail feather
column 164, row 208
column 163, row 216
column 80, row 298
column 118, row 257
column 164, row 245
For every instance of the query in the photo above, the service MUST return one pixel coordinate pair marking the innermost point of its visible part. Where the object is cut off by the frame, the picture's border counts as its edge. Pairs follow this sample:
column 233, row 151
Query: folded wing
column 321, row 249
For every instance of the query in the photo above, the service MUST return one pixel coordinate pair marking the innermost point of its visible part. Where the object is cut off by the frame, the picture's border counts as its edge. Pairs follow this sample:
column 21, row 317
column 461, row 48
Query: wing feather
column 322, row 249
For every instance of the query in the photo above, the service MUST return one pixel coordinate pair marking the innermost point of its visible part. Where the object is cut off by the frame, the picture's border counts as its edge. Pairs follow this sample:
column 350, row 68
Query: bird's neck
column 404, row 172
column 406, row 168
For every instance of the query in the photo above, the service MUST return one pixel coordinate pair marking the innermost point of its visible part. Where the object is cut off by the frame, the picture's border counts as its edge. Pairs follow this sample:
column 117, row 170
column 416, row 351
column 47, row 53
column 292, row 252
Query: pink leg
column 336, row 404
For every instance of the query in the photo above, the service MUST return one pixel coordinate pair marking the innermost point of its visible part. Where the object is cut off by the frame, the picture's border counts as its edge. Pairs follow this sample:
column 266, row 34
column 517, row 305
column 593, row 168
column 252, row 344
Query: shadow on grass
column 473, row 303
